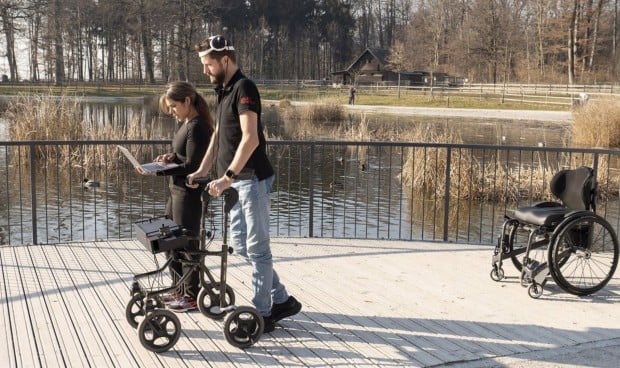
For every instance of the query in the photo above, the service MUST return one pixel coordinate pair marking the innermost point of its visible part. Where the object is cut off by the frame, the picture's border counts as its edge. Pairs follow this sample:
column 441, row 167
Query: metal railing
column 367, row 190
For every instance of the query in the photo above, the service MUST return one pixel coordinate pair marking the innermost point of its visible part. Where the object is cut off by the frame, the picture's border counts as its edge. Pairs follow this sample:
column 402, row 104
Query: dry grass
column 39, row 117
column 317, row 113
column 284, row 104
column 490, row 179
column 425, row 168
column 59, row 118
column 597, row 124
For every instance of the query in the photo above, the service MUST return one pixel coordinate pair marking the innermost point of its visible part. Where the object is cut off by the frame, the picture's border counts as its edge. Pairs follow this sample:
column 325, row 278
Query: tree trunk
column 595, row 35
column 9, row 34
column 614, row 51
column 35, row 27
column 540, row 19
column 59, row 59
column 147, row 47
column 572, row 43
column 110, row 64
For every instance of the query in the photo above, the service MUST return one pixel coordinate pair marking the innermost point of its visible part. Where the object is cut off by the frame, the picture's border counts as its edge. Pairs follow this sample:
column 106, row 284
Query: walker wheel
column 535, row 290
column 135, row 309
column 243, row 327
column 209, row 300
column 159, row 330
column 497, row 274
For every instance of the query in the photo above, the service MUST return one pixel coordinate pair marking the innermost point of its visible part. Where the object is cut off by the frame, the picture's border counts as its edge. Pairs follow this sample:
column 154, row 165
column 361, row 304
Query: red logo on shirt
column 246, row 100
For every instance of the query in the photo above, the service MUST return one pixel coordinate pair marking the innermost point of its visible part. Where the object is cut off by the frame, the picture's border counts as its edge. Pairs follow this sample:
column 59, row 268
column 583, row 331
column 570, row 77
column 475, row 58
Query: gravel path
column 549, row 116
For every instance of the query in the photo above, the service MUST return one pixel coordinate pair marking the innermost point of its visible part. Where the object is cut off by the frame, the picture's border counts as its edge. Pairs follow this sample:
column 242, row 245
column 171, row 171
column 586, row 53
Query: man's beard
column 218, row 79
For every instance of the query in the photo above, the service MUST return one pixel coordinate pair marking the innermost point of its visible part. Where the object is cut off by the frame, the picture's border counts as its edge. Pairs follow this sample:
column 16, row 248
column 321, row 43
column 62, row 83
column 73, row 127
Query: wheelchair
column 159, row 329
column 564, row 239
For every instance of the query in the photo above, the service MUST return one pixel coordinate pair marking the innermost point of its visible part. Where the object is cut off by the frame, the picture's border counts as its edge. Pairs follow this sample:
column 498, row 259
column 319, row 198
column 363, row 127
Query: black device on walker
column 160, row 234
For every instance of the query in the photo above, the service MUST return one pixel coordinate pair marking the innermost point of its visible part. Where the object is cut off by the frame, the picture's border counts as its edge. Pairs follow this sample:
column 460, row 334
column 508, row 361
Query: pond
column 293, row 202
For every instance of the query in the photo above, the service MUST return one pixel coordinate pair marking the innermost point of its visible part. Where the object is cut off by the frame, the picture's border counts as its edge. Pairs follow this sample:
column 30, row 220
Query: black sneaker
column 270, row 324
column 280, row 311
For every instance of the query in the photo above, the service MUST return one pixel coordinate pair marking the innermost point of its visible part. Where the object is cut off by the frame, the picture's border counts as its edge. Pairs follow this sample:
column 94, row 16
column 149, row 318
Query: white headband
column 207, row 51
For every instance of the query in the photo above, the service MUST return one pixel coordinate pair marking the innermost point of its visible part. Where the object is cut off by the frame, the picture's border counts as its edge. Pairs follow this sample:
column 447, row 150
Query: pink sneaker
column 170, row 298
column 184, row 304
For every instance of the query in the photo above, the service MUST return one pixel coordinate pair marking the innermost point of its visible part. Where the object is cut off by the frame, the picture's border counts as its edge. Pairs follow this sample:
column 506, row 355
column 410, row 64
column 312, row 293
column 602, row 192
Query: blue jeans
column 249, row 231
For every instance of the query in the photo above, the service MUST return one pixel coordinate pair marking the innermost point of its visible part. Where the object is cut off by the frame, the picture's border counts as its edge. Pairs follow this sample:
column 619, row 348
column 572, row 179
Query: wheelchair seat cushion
column 542, row 216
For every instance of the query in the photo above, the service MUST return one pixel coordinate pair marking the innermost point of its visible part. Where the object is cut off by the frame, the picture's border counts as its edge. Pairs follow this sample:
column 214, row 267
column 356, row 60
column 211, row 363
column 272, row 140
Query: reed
column 316, row 112
column 59, row 118
column 597, row 124
column 479, row 175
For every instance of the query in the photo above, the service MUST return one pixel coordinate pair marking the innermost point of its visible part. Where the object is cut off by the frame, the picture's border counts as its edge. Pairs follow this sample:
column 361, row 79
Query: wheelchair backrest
column 576, row 188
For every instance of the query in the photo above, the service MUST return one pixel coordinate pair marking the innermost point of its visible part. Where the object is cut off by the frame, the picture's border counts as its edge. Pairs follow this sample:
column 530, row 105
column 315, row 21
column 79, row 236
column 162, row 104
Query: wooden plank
column 106, row 284
column 74, row 296
column 24, row 342
column 45, row 334
column 114, row 262
column 352, row 313
column 366, row 303
column 61, row 319
column 7, row 348
column 358, row 282
column 333, row 320
column 239, row 274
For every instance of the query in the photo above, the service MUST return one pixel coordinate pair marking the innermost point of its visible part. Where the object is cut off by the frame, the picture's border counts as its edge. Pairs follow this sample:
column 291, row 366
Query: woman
column 195, row 127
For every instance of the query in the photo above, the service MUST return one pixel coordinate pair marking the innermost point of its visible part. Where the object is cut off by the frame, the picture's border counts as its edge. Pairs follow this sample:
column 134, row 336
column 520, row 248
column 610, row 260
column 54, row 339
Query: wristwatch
column 231, row 174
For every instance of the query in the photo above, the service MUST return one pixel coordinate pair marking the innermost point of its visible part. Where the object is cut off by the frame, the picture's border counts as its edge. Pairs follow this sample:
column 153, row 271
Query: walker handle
column 203, row 180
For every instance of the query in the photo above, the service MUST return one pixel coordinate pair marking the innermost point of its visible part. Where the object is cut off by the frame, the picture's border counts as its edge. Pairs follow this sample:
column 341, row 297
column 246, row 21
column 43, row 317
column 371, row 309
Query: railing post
column 311, row 193
column 595, row 163
column 33, row 191
column 446, row 200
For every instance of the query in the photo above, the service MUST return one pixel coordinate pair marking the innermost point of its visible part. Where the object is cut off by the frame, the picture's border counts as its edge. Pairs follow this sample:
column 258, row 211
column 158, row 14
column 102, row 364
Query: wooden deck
column 366, row 304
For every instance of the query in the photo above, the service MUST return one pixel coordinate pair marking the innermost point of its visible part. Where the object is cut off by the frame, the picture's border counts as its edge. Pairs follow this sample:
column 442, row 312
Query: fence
column 366, row 190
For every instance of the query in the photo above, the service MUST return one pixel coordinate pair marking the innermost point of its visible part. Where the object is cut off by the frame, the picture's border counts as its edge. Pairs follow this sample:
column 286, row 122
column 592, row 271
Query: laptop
column 149, row 167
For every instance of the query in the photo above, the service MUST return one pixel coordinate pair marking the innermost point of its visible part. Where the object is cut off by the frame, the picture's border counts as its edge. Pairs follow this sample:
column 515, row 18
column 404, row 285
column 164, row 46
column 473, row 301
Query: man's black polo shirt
column 239, row 95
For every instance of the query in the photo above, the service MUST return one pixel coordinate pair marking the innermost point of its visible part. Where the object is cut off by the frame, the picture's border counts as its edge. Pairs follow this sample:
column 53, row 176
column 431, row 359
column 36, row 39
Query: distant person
column 238, row 150
column 352, row 96
column 184, row 206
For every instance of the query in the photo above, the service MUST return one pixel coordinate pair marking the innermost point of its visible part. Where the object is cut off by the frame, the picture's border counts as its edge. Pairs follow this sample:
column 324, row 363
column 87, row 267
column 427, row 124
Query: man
column 351, row 95
column 237, row 148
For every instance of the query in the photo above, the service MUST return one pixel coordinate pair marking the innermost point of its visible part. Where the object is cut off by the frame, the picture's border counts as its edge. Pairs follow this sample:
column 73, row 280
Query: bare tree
column 595, row 33
column 572, row 40
column 56, row 29
column 10, row 10
column 34, row 14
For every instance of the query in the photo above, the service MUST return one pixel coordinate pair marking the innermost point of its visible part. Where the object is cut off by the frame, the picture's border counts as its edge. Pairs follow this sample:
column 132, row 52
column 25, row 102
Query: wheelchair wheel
column 584, row 255
column 243, row 327
column 159, row 330
column 497, row 274
column 209, row 300
column 535, row 290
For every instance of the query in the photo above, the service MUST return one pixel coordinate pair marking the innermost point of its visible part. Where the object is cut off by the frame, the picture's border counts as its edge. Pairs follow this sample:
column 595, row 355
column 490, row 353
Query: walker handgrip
column 203, row 180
